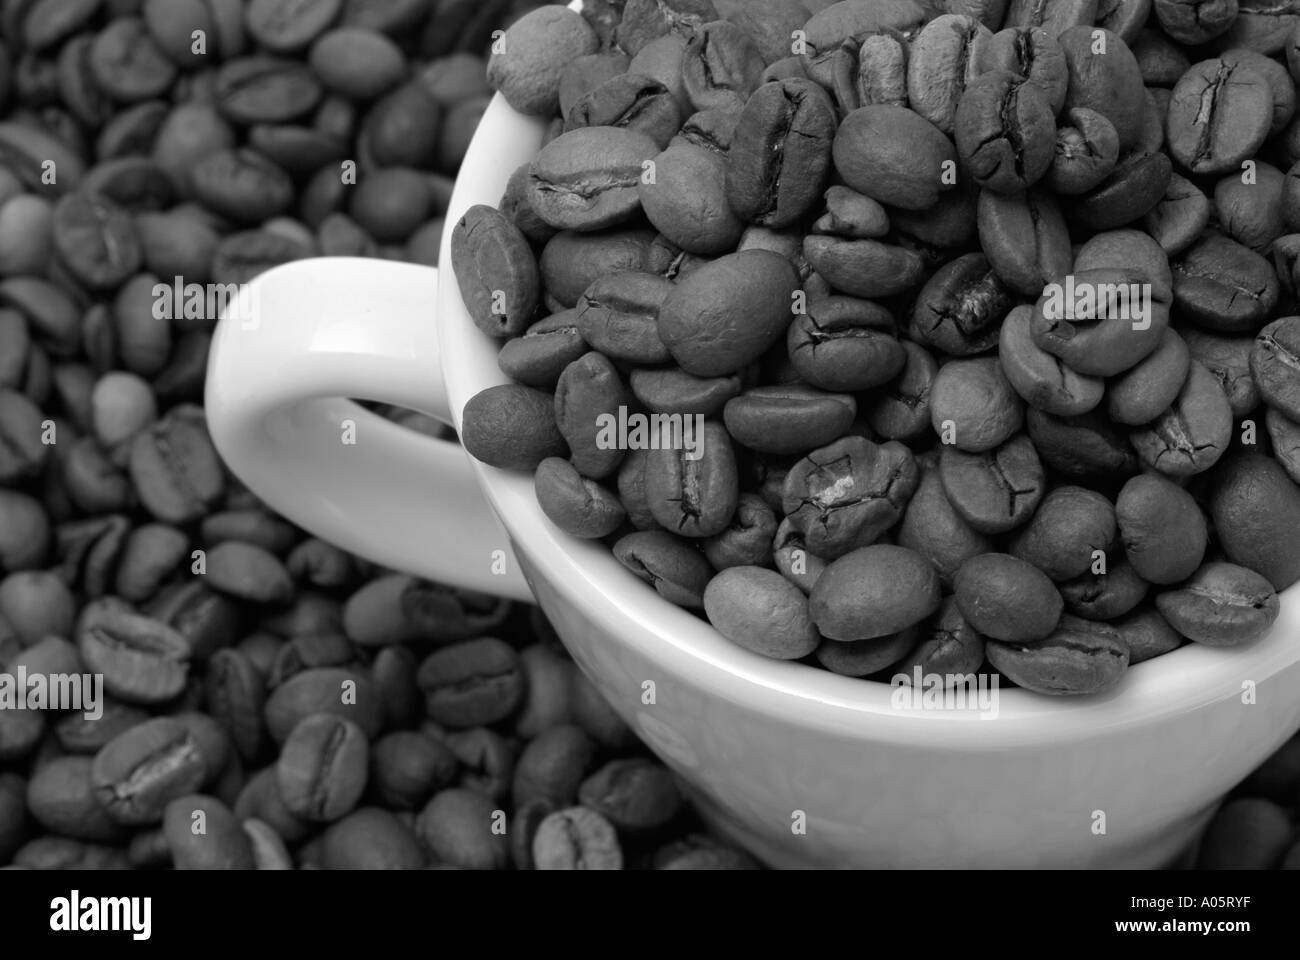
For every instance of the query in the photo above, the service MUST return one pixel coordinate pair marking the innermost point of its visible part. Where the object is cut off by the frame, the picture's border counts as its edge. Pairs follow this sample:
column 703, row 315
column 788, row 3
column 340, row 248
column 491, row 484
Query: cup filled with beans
column 890, row 403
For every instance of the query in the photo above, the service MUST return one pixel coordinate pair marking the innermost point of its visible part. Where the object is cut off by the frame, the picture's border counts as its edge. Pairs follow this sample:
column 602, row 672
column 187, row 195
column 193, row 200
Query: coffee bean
column 691, row 483
column 845, row 495
column 263, row 89
column 138, row 773
column 1106, row 595
column 761, row 611
column 343, row 693
column 143, row 660
column 1147, row 635
column 1219, row 115
column 578, row 506
column 1071, row 525
column 471, row 683
column 1004, row 132
column 677, row 571
column 1193, row 433
column 1078, row 657
column 457, row 827
column 587, row 179
column 223, row 846
column 576, row 838
column 322, row 768
column 790, row 419
column 1221, row 605
column 589, row 395
column 872, row 592
column 1162, row 528
column 996, row 491
column 1006, row 598
column 512, row 427
column 841, row 343
column 175, row 469
column 893, row 155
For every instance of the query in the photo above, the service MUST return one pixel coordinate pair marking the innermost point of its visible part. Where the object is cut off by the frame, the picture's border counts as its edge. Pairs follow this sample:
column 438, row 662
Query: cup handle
column 302, row 338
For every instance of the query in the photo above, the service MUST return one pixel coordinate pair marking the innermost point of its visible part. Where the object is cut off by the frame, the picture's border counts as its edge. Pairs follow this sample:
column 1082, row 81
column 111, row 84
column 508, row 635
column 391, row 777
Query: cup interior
column 587, row 574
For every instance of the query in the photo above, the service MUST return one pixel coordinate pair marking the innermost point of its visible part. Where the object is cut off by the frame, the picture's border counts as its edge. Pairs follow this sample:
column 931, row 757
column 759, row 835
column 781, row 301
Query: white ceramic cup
column 803, row 767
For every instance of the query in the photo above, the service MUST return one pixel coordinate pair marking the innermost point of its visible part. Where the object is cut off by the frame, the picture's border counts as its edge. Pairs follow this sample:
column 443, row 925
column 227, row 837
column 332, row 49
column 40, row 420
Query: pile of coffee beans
column 319, row 711
column 898, row 335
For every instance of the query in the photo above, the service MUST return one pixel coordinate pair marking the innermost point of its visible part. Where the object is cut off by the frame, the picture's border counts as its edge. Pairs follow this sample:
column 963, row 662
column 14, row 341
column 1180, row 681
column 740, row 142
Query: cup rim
column 587, row 574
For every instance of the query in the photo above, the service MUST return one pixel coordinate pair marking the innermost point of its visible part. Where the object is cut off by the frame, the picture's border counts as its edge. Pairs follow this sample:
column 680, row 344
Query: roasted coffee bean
column 175, row 469
column 861, row 658
column 618, row 316
column 691, row 480
column 537, row 358
column 223, row 846
column 471, row 683
column 1193, row 433
column 631, row 101
column 1221, row 605
column 1071, row 526
column 1086, row 152
column 1004, row 132
column 872, row 592
column 900, row 410
column 1162, row 529
column 322, row 768
column 895, row 156
column 1025, row 238
column 949, row 648
column 512, row 427
column 263, row 89
column 973, row 405
column 1252, row 504
column 727, row 313
column 1104, row 76
column 841, row 343
column 1078, row 657
column 960, row 307
column 343, row 693
column 1130, row 191
column 145, row 767
column 995, row 491
column 1043, row 380
column 457, row 827
column 1142, row 393
column 677, row 571
column 1116, row 318
column 576, row 838
column 1219, row 115
column 791, row 419
column 845, row 495
column 670, row 390
column 1006, row 598
column 95, row 239
column 577, row 505
column 143, row 660
column 781, row 154
column 761, row 611
column 533, row 54
column 1104, row 596
column 62, row 799
column 1085, row 448
column 1275, row 365
column 634, row 795
column 587, row 179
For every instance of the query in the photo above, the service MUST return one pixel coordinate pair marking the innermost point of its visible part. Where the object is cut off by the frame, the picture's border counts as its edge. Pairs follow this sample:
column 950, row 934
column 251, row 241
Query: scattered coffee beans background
column 324, row 713
column 321, row 712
